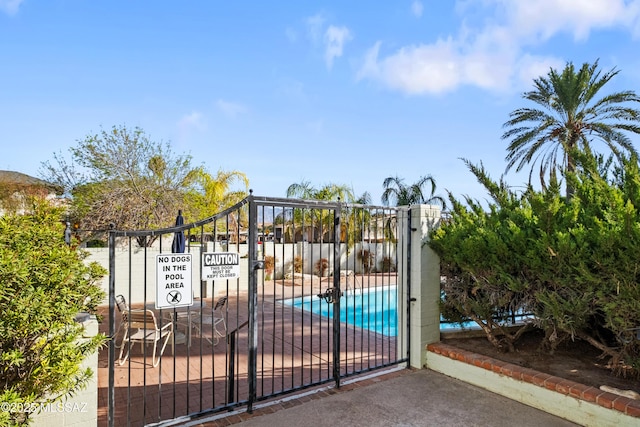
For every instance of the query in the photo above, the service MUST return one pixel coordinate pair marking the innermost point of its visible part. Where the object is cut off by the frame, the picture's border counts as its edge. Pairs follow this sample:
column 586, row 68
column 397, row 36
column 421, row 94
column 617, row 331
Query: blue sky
column 346, row 92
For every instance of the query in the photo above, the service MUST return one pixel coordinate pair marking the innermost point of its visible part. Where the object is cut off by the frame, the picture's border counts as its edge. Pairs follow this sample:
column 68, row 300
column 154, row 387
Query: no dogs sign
column 173, row 281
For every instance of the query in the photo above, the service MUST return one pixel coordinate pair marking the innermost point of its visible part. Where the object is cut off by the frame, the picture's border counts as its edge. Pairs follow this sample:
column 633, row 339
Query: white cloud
column 436, row 68
column 331, row 38
column 335, row 38
column 417, row 8
column 191, row 120
column 634, row 13
column 230, row 109
column 531, row 67
column 314, row 27
column 542, row 19
column 291, row 34
column 416, row 69
column 189, row 123
column 10, row 7
column 492, row 56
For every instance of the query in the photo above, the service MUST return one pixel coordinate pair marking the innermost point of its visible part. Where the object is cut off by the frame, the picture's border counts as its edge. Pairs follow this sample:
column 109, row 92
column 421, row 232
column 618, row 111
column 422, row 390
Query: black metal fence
column 286, row 294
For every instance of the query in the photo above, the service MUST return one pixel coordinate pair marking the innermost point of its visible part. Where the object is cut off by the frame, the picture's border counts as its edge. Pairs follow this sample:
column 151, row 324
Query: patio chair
column 212, row 320
column 142, row 327
column 123, row 308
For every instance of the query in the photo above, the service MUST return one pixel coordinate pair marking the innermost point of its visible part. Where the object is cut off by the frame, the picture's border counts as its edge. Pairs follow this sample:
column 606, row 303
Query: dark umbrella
column 178, row 244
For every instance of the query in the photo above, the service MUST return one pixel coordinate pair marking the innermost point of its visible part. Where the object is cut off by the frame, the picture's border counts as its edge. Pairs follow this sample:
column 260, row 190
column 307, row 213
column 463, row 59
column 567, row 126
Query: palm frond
column 569, row 115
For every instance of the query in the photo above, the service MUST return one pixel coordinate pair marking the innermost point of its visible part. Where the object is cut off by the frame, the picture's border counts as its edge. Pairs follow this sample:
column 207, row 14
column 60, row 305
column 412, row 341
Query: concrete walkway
column 414, row 398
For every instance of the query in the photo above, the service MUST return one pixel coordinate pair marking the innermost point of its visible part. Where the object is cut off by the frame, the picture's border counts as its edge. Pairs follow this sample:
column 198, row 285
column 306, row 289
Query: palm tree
column 305, row 190
column 328, row 192
column 396, row 193
column 214, row 193
column 569, row 117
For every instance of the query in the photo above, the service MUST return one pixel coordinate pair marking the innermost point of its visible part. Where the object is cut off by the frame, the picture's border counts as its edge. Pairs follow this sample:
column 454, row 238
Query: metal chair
column 123, row 308
column 213, row 320
column 142, row 327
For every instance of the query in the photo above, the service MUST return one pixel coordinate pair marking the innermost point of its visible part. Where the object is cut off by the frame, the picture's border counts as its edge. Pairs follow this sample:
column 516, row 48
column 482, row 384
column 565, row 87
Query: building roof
column 21, row 180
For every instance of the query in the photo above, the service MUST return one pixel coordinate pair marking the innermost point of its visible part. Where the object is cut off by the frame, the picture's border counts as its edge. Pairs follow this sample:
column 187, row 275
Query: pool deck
column 194, row 379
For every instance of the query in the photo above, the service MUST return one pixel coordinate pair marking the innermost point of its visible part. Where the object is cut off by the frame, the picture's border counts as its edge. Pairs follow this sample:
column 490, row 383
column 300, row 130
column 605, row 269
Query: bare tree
column 122, row 177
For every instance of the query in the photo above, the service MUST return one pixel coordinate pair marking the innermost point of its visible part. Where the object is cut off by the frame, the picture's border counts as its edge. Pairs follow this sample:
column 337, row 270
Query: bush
column 321, row 266
column 44, row 284
column 481, row 253
column 368, row 260
column 572, row 263
column 297, row 264
column 388, row 266
column 269, row 264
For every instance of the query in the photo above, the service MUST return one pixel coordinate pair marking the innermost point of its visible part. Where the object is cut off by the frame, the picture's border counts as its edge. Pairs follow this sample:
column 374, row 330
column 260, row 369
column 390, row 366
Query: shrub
column 388, row 265
column 297, row 264
column 572, row 263
column 269, row 264
column 321, row 267
column 368, row 260
column 44, row 284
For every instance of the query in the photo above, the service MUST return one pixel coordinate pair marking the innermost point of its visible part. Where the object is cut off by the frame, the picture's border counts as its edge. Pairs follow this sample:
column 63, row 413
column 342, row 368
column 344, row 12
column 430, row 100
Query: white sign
column 173, row 280
column 220, row 265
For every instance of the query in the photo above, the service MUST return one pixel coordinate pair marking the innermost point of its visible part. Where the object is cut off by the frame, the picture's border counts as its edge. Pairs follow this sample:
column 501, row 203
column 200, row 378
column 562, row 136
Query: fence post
column 424, row 278
column 254, row 266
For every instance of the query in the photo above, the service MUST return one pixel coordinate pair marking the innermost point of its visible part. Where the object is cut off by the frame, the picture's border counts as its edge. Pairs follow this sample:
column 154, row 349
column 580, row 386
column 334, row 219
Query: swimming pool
column 373, row 309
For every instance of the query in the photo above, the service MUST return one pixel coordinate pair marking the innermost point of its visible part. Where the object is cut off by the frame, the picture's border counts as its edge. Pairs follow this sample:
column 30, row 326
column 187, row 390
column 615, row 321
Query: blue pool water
column 370, row 309
column 373, row 309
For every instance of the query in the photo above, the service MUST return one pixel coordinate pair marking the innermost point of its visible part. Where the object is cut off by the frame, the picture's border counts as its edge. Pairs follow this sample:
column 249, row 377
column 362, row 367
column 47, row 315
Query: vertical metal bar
column 282, row 340
column 407, row 273
column 366, row 230
column 336, row 302
column 273, row 336
column 277, row 319
column 231, row 348
column 253, row 297
column 129, row 280
column 292, row 324
column 230, row 218
column 173, row 337
column 350, row 217
column 112, row 324
column 253, row 248
column 203, row 246
column 261, row 327
column 358, row 219
column 144, row 347
column 386, row 284
column 188, row 332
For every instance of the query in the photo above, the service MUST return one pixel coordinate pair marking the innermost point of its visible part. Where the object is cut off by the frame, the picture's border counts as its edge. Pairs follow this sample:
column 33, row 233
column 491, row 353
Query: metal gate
column 286, row 294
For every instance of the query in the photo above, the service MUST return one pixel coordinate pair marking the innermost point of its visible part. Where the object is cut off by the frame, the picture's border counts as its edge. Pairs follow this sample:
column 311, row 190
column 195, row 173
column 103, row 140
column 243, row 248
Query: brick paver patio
column 294, row 350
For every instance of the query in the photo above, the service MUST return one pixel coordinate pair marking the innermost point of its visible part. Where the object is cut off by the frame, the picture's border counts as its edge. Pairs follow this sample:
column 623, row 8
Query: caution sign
column 173, row 281
column 220, row 265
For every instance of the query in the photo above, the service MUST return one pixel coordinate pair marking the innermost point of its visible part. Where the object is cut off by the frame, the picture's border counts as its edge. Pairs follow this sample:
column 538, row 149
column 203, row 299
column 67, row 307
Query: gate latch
column 330, row 295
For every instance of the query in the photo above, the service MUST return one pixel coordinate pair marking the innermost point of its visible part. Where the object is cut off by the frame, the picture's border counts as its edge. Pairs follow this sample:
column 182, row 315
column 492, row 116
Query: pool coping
column 582, row 395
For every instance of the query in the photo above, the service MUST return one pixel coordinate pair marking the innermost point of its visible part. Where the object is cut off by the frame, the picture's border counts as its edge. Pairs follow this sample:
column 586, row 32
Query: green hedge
column 574, row 264
column 44, row 284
